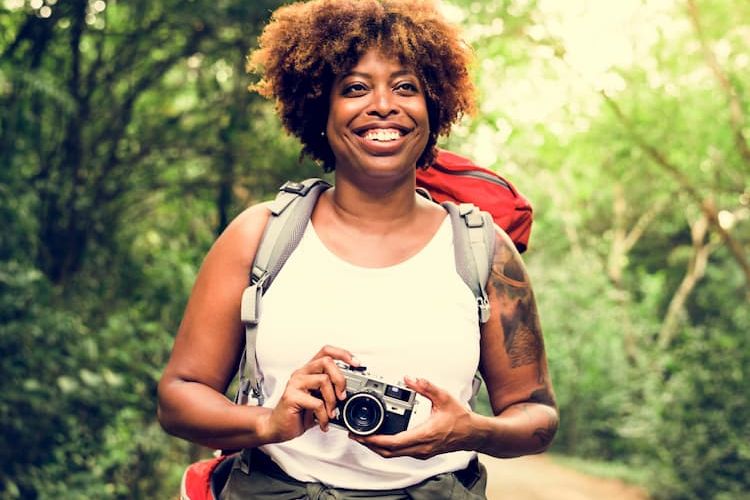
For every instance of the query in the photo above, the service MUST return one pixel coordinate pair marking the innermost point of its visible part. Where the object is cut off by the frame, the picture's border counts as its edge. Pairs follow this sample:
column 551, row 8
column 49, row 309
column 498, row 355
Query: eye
column 408, row 88
column 354, row 89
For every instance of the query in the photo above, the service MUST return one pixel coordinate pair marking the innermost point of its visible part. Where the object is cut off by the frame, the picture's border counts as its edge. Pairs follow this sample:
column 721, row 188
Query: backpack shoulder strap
column 474, row 245
column 474, row 249
column 290, row 213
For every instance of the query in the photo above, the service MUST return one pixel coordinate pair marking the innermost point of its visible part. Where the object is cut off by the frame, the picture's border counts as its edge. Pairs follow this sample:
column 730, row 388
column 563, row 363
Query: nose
column 383, row 103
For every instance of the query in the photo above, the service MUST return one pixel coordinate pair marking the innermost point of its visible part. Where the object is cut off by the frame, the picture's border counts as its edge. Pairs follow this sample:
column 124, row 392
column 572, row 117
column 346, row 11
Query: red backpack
column 458, row 179
column 451, row 178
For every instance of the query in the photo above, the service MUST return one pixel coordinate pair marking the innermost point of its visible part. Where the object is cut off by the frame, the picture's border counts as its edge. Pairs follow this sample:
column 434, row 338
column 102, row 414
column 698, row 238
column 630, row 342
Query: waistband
column 255, row 459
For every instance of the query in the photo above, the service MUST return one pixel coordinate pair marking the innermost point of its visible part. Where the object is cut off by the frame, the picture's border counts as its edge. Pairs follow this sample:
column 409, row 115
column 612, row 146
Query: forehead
column 377, row 61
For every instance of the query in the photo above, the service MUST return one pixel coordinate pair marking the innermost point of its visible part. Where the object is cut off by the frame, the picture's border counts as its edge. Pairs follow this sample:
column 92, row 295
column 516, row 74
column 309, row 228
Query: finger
column 315, row 411
column 315, row 365
column 320, row 387
column 326, row 364
column 419, row 451
column 337, row 353
column 308, row 381
column 392, row 442
column 305, row 405
column 426, row 389
column 336, row 376
column 308, row 420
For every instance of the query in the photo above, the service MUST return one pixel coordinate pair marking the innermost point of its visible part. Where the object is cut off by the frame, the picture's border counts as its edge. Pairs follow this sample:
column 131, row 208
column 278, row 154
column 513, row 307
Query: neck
column 379, row 207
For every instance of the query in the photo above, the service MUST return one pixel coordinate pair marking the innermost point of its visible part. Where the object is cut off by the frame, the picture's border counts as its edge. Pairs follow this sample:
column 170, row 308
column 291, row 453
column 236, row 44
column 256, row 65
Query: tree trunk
column 696, row 269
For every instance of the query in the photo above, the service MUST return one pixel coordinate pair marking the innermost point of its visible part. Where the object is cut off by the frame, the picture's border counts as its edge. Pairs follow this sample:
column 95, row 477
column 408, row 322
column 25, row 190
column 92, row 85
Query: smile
column 382, row 134
column 382, row 138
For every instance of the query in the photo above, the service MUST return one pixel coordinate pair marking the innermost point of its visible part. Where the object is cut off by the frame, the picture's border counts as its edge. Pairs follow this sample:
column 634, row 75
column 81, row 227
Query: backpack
column 456, row 178
column 473, row 238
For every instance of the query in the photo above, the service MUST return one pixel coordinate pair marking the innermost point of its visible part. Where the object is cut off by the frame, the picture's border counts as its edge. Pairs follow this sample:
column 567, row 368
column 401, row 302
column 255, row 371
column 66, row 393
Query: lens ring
column 363, row 425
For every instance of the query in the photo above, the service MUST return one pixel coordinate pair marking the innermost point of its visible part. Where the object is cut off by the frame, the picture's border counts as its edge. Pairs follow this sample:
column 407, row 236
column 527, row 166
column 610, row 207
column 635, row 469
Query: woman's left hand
column 447, row 429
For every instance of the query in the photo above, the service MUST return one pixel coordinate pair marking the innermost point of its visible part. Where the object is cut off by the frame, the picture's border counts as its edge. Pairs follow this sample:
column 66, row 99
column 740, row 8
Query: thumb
column 426, row 389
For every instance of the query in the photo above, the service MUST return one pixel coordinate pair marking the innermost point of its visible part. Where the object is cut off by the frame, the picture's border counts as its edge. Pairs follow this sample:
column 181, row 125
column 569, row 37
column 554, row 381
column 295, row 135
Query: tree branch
column 706, row 205
column 116, row 132
column 736, row 115
column 625, row 240
column 695, row 271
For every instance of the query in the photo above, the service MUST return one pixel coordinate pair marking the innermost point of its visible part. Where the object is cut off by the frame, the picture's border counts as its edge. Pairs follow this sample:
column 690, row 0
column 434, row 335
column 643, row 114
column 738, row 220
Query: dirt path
column 539, row 478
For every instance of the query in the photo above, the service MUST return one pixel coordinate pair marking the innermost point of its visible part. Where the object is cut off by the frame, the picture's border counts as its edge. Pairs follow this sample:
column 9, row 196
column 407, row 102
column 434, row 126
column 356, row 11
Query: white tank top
column 416, row 318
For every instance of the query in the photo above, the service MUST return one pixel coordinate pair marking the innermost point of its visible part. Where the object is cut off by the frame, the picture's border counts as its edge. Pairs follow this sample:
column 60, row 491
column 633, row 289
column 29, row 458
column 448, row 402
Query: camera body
column 373, row 406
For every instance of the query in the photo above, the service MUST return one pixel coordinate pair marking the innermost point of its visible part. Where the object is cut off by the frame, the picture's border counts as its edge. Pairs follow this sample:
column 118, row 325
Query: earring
column 323, row 133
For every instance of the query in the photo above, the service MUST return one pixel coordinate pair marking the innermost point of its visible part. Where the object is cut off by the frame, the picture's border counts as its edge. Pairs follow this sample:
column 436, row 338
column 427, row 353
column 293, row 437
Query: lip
column 360, row 131
column 377, row 148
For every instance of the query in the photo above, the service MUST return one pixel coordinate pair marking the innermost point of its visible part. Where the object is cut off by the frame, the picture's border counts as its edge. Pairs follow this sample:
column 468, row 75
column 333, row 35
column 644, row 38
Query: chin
column 384, row 167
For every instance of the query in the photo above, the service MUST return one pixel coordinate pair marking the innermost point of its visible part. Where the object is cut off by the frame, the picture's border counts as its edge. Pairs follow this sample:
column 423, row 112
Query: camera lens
column 363, row 413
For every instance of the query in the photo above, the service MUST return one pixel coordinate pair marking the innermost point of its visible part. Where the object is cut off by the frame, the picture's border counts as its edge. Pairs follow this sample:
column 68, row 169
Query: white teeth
column 382, row 135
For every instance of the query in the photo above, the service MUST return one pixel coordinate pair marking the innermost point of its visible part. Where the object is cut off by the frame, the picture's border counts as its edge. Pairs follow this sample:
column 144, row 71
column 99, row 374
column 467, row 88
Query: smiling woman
column 308, row 44
column 377, row 119
column 367, row 86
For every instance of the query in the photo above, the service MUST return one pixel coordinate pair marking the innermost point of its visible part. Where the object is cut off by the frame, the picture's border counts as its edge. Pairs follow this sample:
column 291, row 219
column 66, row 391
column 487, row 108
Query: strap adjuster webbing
column 293, row 187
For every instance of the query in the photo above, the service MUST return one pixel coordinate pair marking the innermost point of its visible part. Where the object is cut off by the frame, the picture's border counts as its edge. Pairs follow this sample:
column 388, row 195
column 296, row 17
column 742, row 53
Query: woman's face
column 377, row 122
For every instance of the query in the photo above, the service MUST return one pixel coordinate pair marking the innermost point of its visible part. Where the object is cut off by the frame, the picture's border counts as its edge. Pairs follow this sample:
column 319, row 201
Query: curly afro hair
column 307, row 44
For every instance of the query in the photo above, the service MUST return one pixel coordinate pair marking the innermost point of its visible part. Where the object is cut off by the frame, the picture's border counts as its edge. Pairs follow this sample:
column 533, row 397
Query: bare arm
column 513, row 364
column 209, row 342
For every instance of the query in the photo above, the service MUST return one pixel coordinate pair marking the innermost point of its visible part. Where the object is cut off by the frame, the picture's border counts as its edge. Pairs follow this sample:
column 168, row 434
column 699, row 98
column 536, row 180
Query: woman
column 367, row 86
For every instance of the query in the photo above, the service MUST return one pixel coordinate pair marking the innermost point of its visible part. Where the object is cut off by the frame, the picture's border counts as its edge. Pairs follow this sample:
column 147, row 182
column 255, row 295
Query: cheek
column 422, row 118
column 339, row 114
column 421, row 115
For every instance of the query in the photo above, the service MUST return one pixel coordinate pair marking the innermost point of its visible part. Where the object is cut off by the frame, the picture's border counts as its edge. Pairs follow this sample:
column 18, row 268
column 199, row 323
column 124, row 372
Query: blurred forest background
column 128, row 140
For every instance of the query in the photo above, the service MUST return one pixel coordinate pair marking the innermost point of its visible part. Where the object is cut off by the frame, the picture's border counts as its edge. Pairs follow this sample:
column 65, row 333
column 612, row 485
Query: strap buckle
column 483, row 304
column 471, row 215
column 249, row 305
column 299, row 188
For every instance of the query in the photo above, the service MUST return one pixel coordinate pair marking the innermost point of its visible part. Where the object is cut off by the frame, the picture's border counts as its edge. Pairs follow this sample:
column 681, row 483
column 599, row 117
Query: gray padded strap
column 290, row 213
column 474, row 243
column 474, row 249
column 285, row 227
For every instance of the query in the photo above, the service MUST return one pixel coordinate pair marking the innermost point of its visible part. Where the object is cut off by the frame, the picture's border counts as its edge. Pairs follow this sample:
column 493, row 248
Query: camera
column 373, row 406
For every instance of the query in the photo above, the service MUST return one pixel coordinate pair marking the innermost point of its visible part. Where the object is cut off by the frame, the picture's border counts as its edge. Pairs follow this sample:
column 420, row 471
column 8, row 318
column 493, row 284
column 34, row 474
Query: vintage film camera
column 373, row 406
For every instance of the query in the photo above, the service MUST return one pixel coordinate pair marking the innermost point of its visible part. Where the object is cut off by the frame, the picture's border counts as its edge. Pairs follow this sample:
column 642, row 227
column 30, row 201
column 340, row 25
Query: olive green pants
column 255, row 476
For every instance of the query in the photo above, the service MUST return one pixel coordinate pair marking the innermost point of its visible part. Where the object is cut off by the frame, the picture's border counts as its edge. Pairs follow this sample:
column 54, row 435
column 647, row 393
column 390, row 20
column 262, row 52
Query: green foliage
column 78, row 402
column 703, row 427
column 127, row 141
column 595, row 385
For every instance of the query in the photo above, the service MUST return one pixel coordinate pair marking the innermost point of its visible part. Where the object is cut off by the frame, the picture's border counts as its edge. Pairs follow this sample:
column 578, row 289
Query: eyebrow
column 401, row 72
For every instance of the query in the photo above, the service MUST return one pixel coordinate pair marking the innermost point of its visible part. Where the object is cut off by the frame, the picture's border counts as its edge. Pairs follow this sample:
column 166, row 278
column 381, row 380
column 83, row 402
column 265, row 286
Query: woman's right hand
column 310, row 395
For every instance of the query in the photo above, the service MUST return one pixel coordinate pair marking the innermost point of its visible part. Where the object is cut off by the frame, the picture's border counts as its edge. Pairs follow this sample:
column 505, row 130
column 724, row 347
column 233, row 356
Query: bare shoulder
column 225, row 268
column 210, row 332
column 508, row 268
column 241, row 237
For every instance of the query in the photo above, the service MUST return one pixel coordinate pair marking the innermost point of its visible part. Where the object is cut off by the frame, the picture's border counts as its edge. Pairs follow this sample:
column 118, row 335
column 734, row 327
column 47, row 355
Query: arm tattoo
column 543, row 396
column 546, row 434
column 518, row 316
column 522, row 343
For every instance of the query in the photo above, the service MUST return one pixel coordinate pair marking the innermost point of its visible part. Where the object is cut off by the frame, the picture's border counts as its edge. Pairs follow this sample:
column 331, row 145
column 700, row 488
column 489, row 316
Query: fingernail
column 342, row 395
column 355, row 361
